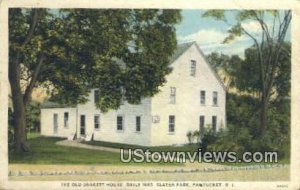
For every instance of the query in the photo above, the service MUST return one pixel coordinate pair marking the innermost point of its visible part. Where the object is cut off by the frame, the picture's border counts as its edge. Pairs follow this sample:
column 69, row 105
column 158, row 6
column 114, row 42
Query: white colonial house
column 192, row 98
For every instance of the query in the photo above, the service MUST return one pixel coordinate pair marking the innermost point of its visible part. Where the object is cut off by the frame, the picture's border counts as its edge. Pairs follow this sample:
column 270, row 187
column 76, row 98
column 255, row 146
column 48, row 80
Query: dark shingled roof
column 181, row 48
column 49, row 104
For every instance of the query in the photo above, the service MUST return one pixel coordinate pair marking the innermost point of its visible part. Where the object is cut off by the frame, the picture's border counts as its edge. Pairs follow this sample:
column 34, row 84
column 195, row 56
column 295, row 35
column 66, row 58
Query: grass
column 184, row 148
column 45, row 151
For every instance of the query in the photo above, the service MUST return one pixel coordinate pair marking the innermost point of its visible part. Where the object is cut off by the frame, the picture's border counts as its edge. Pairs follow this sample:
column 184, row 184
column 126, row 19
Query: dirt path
column 86, row 146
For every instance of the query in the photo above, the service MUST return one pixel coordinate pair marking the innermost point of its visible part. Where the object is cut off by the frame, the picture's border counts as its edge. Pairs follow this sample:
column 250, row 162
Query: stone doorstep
column 203, row 170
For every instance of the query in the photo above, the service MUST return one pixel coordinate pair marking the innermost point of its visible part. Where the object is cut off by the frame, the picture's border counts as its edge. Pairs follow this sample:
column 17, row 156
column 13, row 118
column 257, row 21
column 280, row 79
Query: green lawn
column 185, row 148
column 45, row 151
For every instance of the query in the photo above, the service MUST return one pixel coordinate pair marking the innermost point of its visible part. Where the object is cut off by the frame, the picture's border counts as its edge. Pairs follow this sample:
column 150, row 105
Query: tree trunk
column 19, row 107
column 263, row 116
column 20, row 125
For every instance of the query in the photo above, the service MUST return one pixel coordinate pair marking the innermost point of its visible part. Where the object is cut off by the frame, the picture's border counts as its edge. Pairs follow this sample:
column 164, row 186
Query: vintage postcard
column 149, row 95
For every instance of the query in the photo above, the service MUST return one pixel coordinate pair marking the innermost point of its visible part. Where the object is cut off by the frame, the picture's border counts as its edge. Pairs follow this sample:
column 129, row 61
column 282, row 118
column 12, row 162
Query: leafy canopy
column 121, row 52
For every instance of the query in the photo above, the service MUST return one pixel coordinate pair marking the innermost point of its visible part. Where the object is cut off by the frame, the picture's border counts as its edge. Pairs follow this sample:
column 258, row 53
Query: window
column 215, row 98
column 201, row 123
column 202, row 97
column 172, row 95
column 138, row 123
column 55, row 123
column 193, row 68
column 171, row 123
column 82, row 124
column 97, row 121
column 119, row 123
column 96, row 96
column 66, row 119
column 214, row 123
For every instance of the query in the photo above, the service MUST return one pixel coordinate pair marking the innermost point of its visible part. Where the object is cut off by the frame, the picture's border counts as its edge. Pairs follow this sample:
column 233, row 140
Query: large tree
column 122, row 52
column 268, row 47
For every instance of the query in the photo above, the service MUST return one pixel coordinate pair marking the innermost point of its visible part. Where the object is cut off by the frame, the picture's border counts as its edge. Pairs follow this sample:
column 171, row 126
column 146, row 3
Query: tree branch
column 29, row 88
column 259, row 52
column 32, row 27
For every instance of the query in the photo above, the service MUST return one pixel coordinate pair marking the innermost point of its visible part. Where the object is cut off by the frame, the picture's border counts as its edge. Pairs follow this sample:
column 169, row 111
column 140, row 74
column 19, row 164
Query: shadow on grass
column 46, row 151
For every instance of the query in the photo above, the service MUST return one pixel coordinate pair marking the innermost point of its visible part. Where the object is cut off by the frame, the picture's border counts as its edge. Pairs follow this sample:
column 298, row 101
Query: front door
column 55, row 123
column 82, row 124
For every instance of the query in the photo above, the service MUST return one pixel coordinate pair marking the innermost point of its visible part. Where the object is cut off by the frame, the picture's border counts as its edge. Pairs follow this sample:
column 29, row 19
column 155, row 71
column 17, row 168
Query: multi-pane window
column 120, row 123
column 82, row 124
column 66, row 119
column 214, row 123
column 172, row 95
column 193, row 68
column 215, row 98
column 202, row 97
column 138, row 123
column 96, row 96
column 201, row 123
column 97, row 121
column 171, row 123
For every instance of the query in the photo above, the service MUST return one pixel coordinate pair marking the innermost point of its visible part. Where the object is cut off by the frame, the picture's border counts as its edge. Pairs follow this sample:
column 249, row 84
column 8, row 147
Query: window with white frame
column 172, row 95
column 215, row 98
column 201, row 123
column 66, row 119
column 97, row 121
column 214, row 123
column 120, row 123
column 171, row 123
column 138, row 123
column 202, row 97
column 193, row 68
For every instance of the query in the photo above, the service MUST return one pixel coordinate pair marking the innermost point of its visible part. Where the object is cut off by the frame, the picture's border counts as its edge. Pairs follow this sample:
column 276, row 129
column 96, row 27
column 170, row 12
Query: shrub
column 190, row 137
column 208, row 137
column 196, row 135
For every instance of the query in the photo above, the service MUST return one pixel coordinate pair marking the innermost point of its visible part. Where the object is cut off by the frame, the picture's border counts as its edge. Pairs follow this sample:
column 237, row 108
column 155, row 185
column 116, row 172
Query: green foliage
column 218, row 61
column 32, row 118
column 33, row 114
column 243, row 127
column 259, row 122
column 10, row 129
column 237, row 139
column 248, row 78
column 235, row 31
column 197, row 136
column 189, row 135
column 229, row 64
column 208, row 137
column 217, row 14
column 122, row 52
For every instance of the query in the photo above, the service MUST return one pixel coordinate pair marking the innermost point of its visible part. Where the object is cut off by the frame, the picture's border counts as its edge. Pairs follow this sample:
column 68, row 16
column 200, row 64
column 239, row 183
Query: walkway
column 86, row 146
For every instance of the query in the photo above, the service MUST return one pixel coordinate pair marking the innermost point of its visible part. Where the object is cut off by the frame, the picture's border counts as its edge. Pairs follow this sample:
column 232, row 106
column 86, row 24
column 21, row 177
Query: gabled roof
column 181, row 48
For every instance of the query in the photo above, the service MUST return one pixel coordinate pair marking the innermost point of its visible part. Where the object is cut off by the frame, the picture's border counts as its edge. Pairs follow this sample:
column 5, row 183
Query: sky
column 209, row 33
